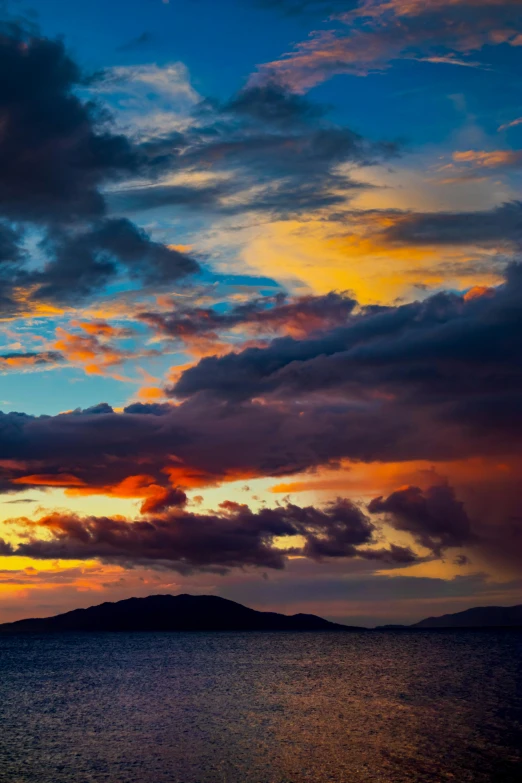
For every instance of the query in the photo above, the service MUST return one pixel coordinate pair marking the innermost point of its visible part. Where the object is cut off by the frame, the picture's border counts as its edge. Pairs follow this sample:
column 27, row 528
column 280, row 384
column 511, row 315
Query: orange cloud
column 102, row 329
column 93, row 350
column 138, row 486
column 88, row 351
column 492, row 159
column 50, row 480
column 377, row 32
column 478, row 291
column 511, row 124
column 150, row 393
column 27, row 361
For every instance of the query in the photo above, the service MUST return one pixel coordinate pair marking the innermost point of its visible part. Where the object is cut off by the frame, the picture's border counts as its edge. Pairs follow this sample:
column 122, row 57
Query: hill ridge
column 167, row 612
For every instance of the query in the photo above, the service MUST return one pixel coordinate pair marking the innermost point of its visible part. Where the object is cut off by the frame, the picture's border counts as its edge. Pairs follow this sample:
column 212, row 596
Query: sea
column 385, row 707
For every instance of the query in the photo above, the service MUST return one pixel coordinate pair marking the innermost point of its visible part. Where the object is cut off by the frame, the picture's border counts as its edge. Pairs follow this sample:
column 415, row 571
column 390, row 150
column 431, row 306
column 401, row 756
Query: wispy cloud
column 376, row 32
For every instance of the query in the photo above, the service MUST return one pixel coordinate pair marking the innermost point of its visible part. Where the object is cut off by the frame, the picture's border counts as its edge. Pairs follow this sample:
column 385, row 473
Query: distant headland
column 477, row 617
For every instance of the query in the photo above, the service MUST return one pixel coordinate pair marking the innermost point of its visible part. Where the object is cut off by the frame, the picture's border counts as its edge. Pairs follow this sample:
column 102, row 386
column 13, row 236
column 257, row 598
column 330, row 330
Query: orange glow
column 150, row 393
column 362, row 261
column 100, row 328
column 78, row 348
column 492, row 159
column 50, row 480
column 20, row 362
column 139, row 486
column 367, row 479
column 181, row 248
column 478, row 291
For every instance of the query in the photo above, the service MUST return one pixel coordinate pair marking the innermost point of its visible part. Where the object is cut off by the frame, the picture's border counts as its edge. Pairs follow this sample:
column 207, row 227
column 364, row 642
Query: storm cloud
column 437, row 379
column 453, row 359
column 267, row 315
column 234, row 536
column 436, row 518
column 57, row 152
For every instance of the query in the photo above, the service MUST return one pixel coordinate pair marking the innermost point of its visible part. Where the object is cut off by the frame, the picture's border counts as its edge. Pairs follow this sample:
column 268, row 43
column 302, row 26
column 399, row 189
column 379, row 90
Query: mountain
column 173, row 613
column 479, row 617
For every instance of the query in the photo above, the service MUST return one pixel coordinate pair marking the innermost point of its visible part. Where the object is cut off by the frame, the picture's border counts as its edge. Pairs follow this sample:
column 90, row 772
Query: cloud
column 435, row 517
column 411, row 352
column 27, row 361
column 147, row 100
column 165, row 499
column 54, row 152
column 500, row 226
column 20, row 500
column 437, row 379
column 490, row 159
column 369, row 36
column 95, row 354
column 232, row 537
column 475, row 164
column 82, row 262
column 511, row 124
column 57, row 153
column 267, row 315
column 266, row 149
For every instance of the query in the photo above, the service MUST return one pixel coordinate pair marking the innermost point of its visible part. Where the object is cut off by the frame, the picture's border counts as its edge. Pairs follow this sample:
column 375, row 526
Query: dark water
column 261, row 708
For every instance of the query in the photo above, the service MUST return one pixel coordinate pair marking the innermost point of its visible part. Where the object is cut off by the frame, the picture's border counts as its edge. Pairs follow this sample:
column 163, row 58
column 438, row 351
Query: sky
column 260, row 299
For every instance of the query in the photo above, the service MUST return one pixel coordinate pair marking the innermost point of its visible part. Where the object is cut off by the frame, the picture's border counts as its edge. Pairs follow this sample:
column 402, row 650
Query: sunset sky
column 261, row 299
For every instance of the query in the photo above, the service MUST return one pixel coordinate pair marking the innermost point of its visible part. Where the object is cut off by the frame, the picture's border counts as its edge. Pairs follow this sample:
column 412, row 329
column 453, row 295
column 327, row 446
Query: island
column 173, row 613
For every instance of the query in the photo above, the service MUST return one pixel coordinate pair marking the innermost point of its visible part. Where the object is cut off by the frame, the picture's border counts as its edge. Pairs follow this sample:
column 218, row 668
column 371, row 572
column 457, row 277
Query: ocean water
column 390, row 707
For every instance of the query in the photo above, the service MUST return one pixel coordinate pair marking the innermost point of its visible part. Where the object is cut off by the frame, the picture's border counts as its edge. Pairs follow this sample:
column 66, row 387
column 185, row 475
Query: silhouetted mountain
column 479, row 617
column 173, row 613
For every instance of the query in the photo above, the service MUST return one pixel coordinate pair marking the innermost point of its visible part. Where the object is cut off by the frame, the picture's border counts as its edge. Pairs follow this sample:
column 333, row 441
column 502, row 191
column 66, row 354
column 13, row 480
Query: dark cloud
column 84, row 261
column 263, row 315
column 12, row 254
column 435, row 517
column 234, row 536
column 57, row 152
column 20, row 501
column 12, row 258
column 438, row 380
column 148, row 408
column 461, row 560
column 498, row 226
column 197, row 197
column 451, row 357
column 54, row 152
column 283, row 152
column 198, row 441
column 270, row 105
column 394, row 555
column 168, row 498
column 481, row 515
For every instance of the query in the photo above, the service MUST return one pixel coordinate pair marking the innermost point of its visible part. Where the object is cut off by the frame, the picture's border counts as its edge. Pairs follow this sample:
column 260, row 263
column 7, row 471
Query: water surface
column 390, row 707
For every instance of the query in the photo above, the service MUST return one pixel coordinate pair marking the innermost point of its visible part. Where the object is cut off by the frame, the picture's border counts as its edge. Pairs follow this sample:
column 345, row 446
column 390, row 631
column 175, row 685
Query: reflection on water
column 261, row 708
